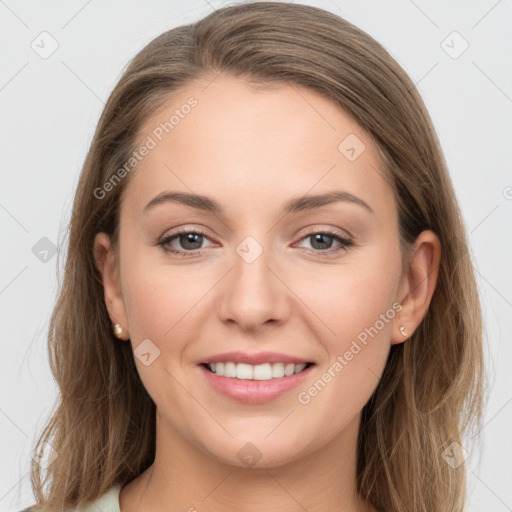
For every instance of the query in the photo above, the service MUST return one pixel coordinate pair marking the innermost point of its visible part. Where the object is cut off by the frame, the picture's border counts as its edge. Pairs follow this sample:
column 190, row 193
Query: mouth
column 259, row 372
column 254, row 384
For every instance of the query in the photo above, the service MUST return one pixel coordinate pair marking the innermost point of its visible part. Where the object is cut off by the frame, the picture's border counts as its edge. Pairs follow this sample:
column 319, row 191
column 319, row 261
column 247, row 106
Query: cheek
column 352, row 296
column 160, row 308
column 355, row 307
column 152, row 307
column 352, row 370
column 161, row 298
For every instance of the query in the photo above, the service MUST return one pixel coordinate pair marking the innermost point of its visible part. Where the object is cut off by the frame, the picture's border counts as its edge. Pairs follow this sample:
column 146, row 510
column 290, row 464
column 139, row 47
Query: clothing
column 108, row 502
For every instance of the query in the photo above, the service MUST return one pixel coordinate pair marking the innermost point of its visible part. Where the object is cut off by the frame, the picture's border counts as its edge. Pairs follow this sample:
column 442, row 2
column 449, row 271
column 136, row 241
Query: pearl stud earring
column 118, row 331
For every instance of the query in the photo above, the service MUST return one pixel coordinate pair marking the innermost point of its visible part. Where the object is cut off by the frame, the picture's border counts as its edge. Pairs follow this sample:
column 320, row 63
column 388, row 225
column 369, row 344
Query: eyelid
column 343, row 233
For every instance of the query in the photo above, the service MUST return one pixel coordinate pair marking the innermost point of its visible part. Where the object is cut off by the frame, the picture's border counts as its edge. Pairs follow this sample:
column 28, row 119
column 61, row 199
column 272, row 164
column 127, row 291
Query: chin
column 257, row 453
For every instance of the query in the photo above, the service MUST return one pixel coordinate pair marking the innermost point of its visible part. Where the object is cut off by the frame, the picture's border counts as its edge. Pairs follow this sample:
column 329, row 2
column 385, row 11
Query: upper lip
column 254, row 359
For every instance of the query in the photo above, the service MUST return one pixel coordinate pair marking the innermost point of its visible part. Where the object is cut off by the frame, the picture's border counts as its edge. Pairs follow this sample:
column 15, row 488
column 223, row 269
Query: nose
column 253, row 295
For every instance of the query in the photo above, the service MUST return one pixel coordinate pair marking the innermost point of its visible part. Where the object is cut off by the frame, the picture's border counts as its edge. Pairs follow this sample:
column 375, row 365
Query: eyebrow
column 295, row 204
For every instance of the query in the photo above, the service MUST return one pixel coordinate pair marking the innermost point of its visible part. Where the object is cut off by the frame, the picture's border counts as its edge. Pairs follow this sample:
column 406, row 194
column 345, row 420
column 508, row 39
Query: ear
column 106, row 264
column 417, row 285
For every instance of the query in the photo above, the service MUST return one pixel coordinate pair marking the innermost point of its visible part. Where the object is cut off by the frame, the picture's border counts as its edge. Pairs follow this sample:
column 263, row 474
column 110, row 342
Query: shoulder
column 108, row 502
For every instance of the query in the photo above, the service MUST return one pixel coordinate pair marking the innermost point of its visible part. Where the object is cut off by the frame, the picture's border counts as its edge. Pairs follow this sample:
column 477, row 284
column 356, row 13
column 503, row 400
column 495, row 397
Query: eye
column 322, row 241
column 191, row 240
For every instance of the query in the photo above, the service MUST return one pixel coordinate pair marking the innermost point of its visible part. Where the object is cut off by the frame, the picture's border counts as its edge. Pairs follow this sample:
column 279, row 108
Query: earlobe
column 418, row 286
column 106, row 264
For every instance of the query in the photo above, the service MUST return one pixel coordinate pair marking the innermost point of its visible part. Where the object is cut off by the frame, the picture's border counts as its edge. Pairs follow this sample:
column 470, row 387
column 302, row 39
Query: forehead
column 247, row 144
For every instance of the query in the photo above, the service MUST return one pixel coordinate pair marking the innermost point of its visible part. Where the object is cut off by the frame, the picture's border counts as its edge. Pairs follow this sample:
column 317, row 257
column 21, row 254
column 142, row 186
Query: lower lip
column 254, row 391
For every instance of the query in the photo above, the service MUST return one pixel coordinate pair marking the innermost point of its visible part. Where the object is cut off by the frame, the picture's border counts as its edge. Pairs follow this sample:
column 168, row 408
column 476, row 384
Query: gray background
column 49, row 109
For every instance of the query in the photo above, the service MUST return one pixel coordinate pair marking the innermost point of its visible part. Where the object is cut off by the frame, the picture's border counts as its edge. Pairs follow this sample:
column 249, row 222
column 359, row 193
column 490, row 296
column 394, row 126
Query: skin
column 251, row 150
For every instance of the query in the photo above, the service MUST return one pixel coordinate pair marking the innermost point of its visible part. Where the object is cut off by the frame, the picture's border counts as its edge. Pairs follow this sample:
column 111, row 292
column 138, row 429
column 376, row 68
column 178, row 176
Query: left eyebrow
column 295, row 204
column 302, row 203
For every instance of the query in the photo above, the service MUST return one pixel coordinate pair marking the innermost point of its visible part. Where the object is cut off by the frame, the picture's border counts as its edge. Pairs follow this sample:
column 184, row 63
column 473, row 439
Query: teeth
column 264, row 371
column 230, row 370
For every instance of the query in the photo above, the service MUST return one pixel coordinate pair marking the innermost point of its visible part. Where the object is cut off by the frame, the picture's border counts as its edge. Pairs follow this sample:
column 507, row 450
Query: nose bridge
column 253, row 294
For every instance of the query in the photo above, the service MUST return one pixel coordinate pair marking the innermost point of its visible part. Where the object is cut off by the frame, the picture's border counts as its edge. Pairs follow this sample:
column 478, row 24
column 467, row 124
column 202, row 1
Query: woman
column 268, row 301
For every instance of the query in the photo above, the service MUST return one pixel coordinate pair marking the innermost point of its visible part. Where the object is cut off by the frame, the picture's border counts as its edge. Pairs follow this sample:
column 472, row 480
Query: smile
column 265, row 371
column 254, row 384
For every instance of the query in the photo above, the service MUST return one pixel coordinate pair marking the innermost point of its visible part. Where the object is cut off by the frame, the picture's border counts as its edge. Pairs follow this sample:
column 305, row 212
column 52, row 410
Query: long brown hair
column 431, row 393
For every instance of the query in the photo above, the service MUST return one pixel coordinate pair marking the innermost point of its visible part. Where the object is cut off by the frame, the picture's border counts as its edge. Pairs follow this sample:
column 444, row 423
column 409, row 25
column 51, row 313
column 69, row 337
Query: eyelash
column 345, row 243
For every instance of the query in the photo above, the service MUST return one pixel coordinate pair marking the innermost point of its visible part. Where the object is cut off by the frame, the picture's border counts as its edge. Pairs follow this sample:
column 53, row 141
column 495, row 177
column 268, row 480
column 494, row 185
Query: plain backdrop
column 50, row 105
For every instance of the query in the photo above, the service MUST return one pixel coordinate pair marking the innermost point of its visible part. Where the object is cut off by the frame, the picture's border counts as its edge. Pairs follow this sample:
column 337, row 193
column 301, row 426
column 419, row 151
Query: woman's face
column 262, row 277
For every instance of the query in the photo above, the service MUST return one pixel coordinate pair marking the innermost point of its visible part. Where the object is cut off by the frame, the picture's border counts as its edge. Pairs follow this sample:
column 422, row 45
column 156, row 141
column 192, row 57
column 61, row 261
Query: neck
column 185, row 478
